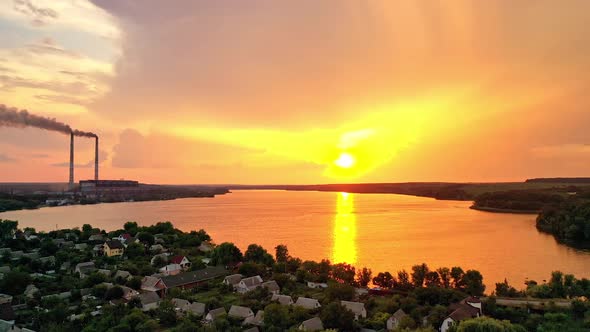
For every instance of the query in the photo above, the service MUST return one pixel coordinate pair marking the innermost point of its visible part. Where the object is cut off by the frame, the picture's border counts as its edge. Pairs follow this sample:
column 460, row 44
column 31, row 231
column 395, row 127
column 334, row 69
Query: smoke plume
column 12, row 117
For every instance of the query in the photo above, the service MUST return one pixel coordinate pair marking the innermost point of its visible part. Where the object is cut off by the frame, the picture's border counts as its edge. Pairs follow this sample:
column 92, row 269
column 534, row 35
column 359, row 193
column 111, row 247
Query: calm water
column 383, row 232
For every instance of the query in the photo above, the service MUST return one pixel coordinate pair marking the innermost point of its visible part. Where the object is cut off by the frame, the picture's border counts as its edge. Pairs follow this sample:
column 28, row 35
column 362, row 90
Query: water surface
column 382, row 231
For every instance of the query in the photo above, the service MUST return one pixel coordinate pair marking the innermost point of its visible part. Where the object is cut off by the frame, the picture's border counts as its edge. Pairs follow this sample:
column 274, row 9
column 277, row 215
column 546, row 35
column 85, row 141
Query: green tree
column 419, row 273
column 167, row 313
column 403, row 280
column 363, row 276
column 457, row 276
column 486, row 324
column 135, row 250
column 226, row 253
column 432, row 279
column 343, row 272
column 257, row 254
column 8, row 228
column 336, row 316
column 384, row 280
column 277, row 316
column 146, row 238
column 338, row 292
column 445, row 276
column 281, row 253
column 14, row 282
column 473, row 283
column 131, row 227
column 113, row 293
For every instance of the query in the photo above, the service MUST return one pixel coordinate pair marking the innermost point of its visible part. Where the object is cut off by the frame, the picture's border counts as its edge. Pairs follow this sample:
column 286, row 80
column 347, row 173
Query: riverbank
column 497, row 210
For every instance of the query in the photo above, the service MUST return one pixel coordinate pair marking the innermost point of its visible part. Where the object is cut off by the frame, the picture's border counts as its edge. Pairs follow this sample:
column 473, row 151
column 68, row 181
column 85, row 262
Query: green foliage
column 505, row 290
column 281, row 253
column 277, row 316
column 166, row 313
column 257, row 254
column 486, row 324
column 384, row 280
column 14, row 282
column 338, row 292
column 113, row 293
column 363, row 277
column 7, row 227
column 519, row 200
column 336, row 316
column 473, row 283
column 419, row 273
column 570, row 222
column 250, row 269
column 343, row 272
column 146, row 238
column 135, row 250
column 226, row 253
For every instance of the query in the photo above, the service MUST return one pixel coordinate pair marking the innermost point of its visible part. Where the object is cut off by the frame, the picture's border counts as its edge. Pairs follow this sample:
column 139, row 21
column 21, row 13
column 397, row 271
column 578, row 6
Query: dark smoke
column 12, row 117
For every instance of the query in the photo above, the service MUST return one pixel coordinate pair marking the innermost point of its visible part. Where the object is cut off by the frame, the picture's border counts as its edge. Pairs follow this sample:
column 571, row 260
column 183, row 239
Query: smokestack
column 71, row 185
column 96, row 160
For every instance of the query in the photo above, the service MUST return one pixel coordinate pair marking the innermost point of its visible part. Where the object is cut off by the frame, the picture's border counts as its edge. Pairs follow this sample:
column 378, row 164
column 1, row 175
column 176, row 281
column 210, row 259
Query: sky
column 292, row 92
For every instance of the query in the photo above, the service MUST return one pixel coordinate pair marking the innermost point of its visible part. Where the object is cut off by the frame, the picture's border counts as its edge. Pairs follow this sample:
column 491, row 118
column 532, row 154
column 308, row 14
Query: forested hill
column 569, row 222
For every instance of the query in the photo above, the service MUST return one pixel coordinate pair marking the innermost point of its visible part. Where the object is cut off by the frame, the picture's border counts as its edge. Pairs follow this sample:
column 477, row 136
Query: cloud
column 39, row 15
column 6, row 159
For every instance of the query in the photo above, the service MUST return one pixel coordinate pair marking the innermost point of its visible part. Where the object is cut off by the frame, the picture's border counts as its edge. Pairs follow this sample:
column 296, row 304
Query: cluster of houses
column 175, row 273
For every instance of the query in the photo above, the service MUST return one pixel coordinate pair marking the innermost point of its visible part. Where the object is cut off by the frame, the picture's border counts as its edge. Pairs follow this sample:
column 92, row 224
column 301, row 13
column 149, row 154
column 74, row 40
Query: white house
column 247, row 284
column 233, row 280
column 212, row 314
column 317, row 285
column 184, row 263
column 171, row 269
column 282, row 299
column 149, row 301
column 313, row 324
column 237, row 311
column 395, row 319
column 307, row 303
column 357, row 308
column 272, row 286
column 466, row 309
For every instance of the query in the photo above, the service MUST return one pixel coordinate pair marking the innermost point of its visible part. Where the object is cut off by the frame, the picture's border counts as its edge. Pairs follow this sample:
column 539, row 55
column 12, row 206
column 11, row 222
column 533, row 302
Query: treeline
column 569, row 222
column 517, row 200
column 10, row 202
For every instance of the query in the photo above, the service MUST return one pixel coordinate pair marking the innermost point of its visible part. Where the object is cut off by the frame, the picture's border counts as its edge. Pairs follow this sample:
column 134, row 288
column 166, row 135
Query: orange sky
column 284, row 91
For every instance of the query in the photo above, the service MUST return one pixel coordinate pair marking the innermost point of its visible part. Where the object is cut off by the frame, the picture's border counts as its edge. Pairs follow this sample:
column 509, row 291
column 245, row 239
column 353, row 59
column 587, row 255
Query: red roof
column 176, row 259
column 126, row 236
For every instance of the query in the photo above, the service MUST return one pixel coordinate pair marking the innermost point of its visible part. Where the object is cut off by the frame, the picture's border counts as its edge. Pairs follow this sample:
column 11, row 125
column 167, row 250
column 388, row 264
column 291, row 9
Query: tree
column 339, row 292
column 281, row 253
column 250, row 269
column 226, row 253
column 445, row 276
column 473, row 283
column 113, row 293
column 134, row 282
column 486, row 324
column 130, row 227
column 457, row 275
column 8, row 228
column 504, row 289
column 432, row 279
column 403, row 280
column 336, row 316
column 159, row 261
column 343, row 272
column 384, row 280
column 14, row 282
column 276, row 315
column 147, row 238
column 135, row 250
column 167, row 313
column 257, row 254
column 363, row 276
column 419, row 273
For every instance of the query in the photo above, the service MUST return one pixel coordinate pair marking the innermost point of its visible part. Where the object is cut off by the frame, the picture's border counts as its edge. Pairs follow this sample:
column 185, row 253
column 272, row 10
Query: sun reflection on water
column 344, row 248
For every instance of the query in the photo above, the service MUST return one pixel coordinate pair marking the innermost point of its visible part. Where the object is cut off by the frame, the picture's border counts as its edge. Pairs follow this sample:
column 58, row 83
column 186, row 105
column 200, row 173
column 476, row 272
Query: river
column 384, row 232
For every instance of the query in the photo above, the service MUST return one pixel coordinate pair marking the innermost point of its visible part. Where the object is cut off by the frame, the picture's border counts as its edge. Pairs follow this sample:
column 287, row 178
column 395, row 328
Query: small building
column 184, row 263
column 81, row 246
column 213, row 314
column 113, row 248
column 395, row 319
column 122, row 275
column 272, row 286
column 96, row 238
column 170, row 269
column 156, row 248
column 105, row 272
column 152, row 284
column 248, row 284
column 307, row 303
column 205, row 247
column 129, row 293
column 233, row 280
column 149, row 301
column 180, row 304
column 196, row 308
column 84, row 269
column 30, row 291
column 237, row 311
column 357, row 308
column 256, row 320
column 312, row 324
column 186, row 280
column 466, row 309
column 317, row 285
column 282, row 299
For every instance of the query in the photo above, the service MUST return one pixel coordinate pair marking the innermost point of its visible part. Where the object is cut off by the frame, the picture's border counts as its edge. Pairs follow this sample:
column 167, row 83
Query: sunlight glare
column 346, row 160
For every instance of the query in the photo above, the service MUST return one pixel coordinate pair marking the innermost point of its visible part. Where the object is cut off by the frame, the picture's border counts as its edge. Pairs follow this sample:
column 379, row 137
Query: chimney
column 71, row 184
column 96, row 160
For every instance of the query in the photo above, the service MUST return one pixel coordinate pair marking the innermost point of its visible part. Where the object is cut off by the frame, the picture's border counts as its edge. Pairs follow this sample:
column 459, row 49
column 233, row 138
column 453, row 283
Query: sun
column 345, row 160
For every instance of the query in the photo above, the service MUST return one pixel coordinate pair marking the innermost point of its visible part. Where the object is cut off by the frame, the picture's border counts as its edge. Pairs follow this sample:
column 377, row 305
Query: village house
column 81, row 246
column 252, row 329
column 105, row 272
column 233, row 280
column 30, row 291
column 313, row 324
column 156, row 248
column 282, row 299
column 272, row 286
column 466, row 309
column 191, row 279
column 213, row 314
column 257, row 319
column 240, row 312
column 171, row 269
column 123, row 238
column 317, row 285
column 163, row 257
column 307, row 303
column 129, row 293
column 179, row 304
column 247, row 284
column 153, row 284
column 149, row 301
column 96, row 238
column 84, row 269
column 184, row 263
column 395, row 319
column 113, row 248
column 122, row 275
column 357, row 308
